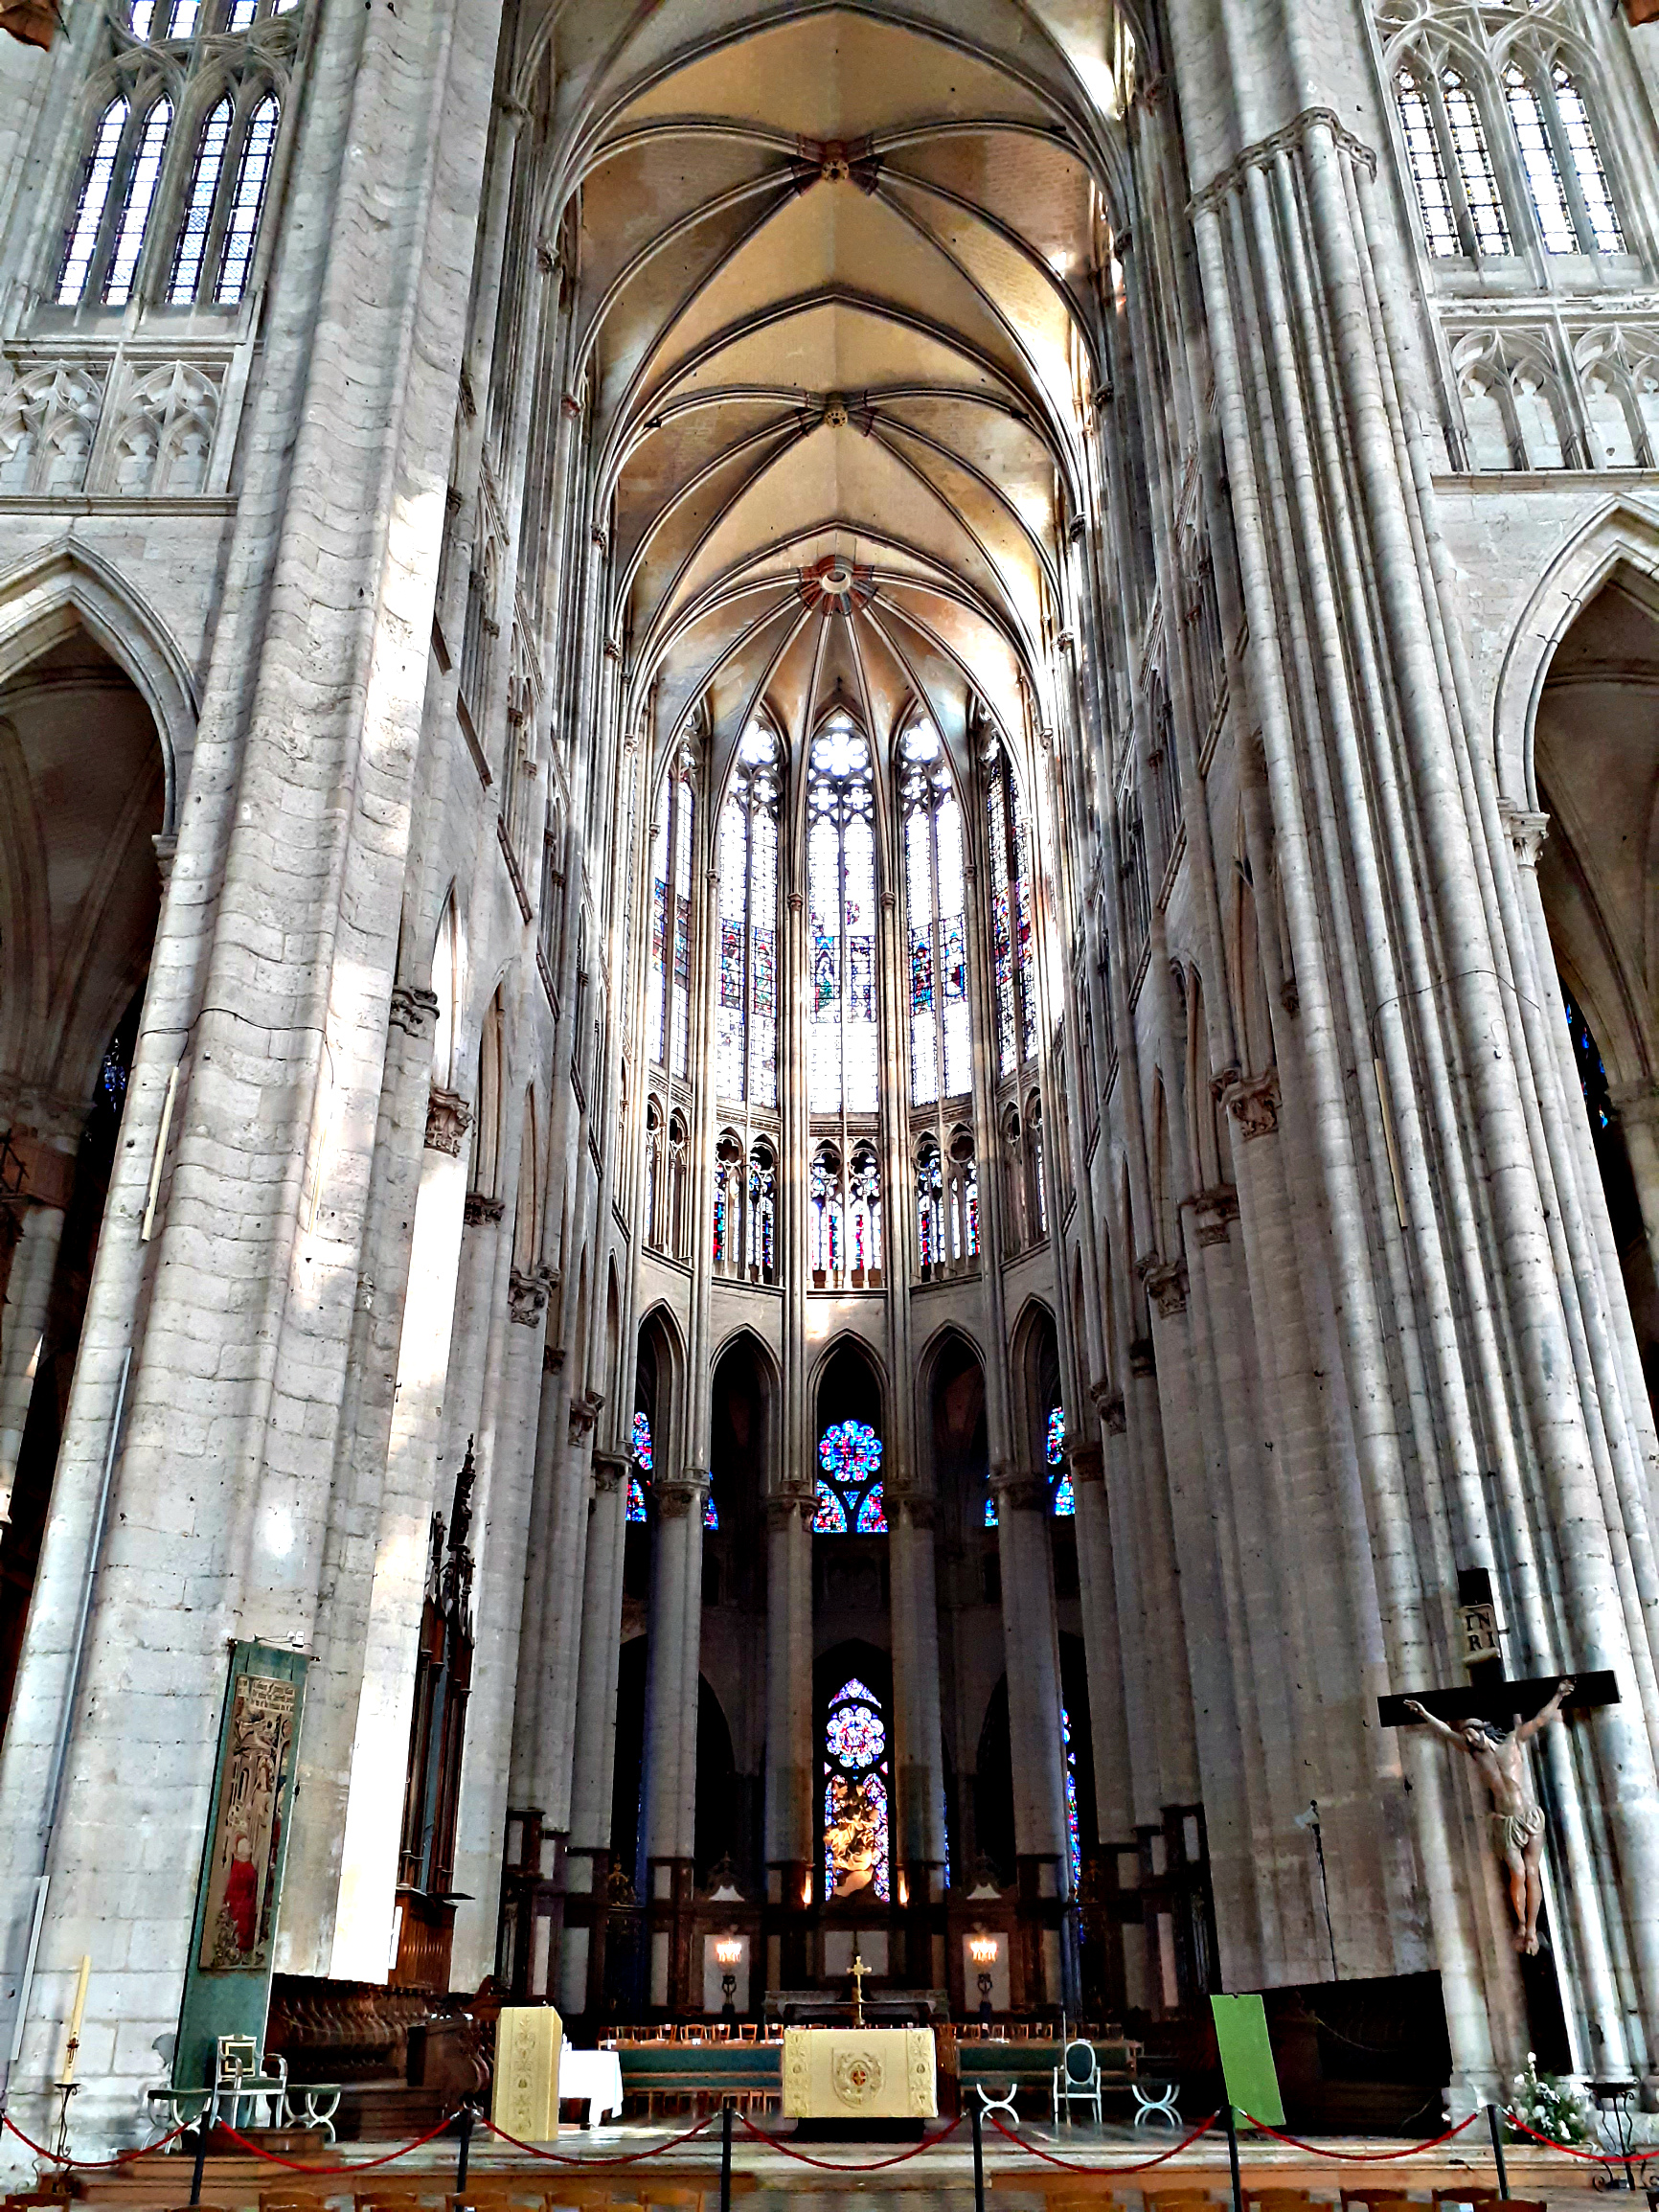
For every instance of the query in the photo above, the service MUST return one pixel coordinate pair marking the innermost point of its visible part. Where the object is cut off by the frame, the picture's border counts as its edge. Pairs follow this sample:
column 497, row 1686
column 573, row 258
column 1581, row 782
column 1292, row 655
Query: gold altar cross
column 859, row 1971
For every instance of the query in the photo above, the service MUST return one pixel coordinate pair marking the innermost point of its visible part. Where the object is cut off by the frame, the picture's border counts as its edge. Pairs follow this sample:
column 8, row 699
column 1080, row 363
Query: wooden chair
column 293, row 2199
column 1468, row 2193
column 398, row 2200
column 1379, row 2200
column 1278, row 2199
column 1175, row 2199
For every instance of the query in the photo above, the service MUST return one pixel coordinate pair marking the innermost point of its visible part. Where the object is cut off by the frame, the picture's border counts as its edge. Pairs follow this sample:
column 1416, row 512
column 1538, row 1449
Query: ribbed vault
column 839, row 331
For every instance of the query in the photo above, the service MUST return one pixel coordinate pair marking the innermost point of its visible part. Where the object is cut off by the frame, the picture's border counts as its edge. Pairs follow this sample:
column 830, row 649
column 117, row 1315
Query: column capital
column 784, row 1506
column 1213, row 1213
column 448, row 1118
column 1635, row 1102
column 1166, row 1281
column 674, row 1500
column 527, row 1298
column 610, row 1471
column 1142, row 1358
column 1017, row 1490
column 482, row 1213
column 1086, row 1462
column 1527, row 831
column 1254, row 1104
column 413, row 1009
column 584, row 1411
column 918, row 1511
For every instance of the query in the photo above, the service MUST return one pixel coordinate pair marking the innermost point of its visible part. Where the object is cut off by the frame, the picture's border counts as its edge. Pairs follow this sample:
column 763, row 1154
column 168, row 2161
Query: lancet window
column 946, row 1203
column 856, row 1850
column 1011, row 917
column 211, row 173
column 842, row 1054
column 669, row 981
column 762, row 1214
column 747, row 1014
column 849, row 1495
column 1074, row 1833
column 640, row 1473
column 1063, row 1495
column 935, row 888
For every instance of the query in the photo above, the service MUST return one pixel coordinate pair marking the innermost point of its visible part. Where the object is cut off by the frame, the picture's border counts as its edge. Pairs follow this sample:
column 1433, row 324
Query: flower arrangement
column 1551, row 2107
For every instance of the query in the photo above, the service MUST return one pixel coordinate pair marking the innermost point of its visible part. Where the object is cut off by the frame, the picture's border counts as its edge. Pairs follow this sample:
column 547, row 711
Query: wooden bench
column 1000, row 2071
column 701, row 2071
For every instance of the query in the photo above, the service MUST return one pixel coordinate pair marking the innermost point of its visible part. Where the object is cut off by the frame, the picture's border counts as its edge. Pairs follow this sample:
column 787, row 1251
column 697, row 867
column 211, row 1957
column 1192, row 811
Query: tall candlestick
column 75, row 2018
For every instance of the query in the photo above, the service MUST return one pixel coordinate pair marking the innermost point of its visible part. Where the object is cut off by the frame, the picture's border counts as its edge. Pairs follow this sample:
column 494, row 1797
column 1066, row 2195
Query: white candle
column 75, row 2018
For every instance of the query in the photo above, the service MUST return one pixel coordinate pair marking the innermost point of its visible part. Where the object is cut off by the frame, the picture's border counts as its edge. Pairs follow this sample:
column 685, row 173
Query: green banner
column 227, row 1983
column 1247, row 2058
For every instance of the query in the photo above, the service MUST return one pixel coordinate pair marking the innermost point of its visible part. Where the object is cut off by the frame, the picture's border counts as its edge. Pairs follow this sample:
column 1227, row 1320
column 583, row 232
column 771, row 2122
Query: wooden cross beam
column 1500, row 1700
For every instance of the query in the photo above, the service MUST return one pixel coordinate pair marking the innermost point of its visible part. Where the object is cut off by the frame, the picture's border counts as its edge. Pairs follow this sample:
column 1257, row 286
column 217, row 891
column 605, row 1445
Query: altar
column 859, row 2073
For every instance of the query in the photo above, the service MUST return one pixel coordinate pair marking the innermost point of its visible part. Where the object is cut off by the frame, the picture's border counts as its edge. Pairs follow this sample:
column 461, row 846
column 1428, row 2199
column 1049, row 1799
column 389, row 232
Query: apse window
column 850, row 1496
column 856, row 1805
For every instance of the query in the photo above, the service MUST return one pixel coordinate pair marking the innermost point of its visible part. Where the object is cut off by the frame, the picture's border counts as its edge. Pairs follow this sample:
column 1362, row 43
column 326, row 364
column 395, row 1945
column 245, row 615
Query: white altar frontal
column 860, row 2074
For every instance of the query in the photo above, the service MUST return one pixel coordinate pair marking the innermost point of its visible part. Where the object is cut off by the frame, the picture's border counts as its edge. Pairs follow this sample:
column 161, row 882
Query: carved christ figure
column 1516, row 1817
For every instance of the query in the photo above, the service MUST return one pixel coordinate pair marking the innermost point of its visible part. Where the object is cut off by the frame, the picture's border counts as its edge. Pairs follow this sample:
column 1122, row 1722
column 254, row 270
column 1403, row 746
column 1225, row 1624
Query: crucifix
column 1491, row 1721
column 859, row 1971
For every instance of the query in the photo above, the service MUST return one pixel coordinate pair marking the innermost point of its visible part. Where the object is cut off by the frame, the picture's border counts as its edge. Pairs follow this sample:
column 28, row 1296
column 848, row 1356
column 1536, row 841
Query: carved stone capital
column 610, row 1471
column 448, row 1118
column 551, row 1358
column 526, row 1297
column 1214, row 1212
column 1527, row 832
column 781, row 1510
column 1016, row 1490
column 1087, row 1463
column 676, row 1500
column 1635, row 1102
column 482, row 1213
column 1166, row 1282
column 166, row 853
column 1142, row 1358
column 916, row 1511
column 1112, row 1413
column 413, row 1009
column 584, row 1411
column 1254, row 1105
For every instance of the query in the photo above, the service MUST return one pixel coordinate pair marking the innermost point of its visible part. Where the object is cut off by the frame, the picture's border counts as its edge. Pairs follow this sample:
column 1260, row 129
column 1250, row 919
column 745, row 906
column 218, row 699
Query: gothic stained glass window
column 855, row 1807
column 669, row 983
column 841, row 1025
column 1585, row 156
column 849, row 1498
column 134, row 218
column 1592, row 1070
column 98, row 172
column 1480, row 185
column 935, row 888
column 1074, row 1835
column 198, row 205
column 763, row 1213
column 1012, row 897
column 864, row 1214
column 1066, row 1501
column 1538, row 160
column 711, row 1515
column 929, row 1206
column 746, row 1001
column 824, row 1197
column 247, row 200
column 641, row 1443
column 1423, row 155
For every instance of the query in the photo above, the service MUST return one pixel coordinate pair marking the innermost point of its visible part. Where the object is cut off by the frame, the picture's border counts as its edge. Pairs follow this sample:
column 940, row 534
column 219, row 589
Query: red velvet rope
column 361, row 2166
column 1071, row 2166
column 633, row 2157
column 120, row 2157
column 1363, row 2157
column 834, row 2165
column 1596, row 2157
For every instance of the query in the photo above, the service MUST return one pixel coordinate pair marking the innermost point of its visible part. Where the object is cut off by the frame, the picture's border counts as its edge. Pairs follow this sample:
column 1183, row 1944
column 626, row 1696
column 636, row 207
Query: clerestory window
column 746, row 1012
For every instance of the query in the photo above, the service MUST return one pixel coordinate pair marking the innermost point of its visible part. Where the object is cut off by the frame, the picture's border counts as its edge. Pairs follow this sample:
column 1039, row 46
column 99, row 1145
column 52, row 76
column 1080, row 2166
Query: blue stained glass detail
column 855, row 1736
column 1054, row 1452
column 824, row 965
column 641, row 1444
column 990, row 1512
column 711, row 1515
column 855, row 1808
column 850, row 1496
column 920, row 971
column 766, row 972
column 861, row 978
column 636, row 1507
column 1074, row 1836
column 953, row 957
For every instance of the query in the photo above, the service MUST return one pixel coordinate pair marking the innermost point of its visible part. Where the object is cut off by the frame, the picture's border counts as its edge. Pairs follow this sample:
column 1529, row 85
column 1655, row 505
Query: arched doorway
column 83, row 804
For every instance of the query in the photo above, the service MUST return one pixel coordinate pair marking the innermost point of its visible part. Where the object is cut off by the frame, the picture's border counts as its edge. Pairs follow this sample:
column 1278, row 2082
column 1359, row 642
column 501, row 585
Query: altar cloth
column 591, row 2078
column 860, row 2074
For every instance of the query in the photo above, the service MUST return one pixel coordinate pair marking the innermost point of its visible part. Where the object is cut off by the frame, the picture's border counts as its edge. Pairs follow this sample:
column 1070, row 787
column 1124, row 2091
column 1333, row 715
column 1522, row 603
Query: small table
column 590, row 2078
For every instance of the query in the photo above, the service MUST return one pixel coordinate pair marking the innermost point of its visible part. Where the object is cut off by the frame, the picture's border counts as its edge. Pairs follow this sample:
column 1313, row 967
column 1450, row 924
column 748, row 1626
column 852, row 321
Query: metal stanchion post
column 1233, row 2158
column 461, row 2153
column 1495, row 2123
column 978, row 2160
column 201, row 2135
column 726, row 2156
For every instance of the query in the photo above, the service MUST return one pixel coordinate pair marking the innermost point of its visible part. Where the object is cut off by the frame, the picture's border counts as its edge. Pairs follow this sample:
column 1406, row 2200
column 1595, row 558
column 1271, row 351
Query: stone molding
column 610, row 1471
column 448, row 1118
column 1166, row 1281
column 1254, row 1105
column 1087, row 1463
column 1017, row 1490
column 1293, row 137
column 1114, row 1414
column 526, row 1297
column 482, row 1213
column 551, row 1358
column 917, row 1511
column 1142, row 1358
column 411, row 1009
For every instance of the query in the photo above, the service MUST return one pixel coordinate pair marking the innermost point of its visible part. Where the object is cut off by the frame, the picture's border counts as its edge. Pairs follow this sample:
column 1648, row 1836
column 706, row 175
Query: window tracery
column 935, row 884
column 946, row 1203
column 842, row 1054
column 669, row 983
column 1012, row 912
column 850, row 1501
column 746, row 1011
column 856, row 1851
